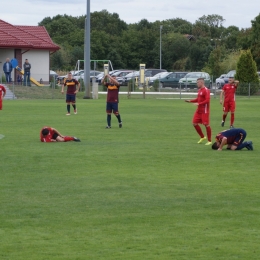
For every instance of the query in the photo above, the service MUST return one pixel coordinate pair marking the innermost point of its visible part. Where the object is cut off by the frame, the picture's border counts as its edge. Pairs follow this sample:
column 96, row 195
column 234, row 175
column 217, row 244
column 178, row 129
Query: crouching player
column 49, row 134
column 233, row 138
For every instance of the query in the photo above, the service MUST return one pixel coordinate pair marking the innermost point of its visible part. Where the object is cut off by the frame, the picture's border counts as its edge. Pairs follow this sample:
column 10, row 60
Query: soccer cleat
column 202, row 139
column 68, row 114
column 75, row 111
column 76, row 139
column 208, row 143
column 249, row 145
column 232, row 126
column 108, row 127
column 120, row 125
column 222, row 123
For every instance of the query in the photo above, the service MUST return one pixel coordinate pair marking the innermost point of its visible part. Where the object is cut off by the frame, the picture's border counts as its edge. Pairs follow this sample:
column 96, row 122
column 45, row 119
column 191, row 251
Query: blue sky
column 31, row 12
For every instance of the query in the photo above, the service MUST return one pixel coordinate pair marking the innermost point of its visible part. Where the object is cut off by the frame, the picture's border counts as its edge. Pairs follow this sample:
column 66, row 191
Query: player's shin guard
column 199, row 131
column 108, row 120
column 68, row 138
column 232, row 118
column 74, row 106
column 208, row 129
column 241, row 146
column 224, row 117
column 68, row 108
column 118, row 118
column 1, row 104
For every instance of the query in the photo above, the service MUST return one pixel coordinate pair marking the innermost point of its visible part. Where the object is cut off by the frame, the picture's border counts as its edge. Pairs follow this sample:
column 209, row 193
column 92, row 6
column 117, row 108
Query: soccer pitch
column 146, row 191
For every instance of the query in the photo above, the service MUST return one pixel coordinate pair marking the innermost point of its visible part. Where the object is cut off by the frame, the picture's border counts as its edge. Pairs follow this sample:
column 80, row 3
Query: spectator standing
column 27, row 73
column 7, row 68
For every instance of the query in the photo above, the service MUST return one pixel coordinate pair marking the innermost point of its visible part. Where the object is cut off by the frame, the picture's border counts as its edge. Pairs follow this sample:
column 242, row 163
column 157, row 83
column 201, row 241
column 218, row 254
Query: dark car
column 172, row 79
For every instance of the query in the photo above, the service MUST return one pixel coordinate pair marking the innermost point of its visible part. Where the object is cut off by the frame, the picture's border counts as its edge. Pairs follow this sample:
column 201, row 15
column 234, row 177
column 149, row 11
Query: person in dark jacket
column 27, row 73
column 7, row 68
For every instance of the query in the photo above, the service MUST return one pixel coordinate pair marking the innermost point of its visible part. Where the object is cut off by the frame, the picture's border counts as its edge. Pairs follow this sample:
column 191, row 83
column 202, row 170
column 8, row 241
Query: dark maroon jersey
column 71, row 86
column 112, row 92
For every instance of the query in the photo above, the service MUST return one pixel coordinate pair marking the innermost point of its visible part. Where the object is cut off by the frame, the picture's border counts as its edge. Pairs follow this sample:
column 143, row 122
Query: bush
column 132, row 86
column 156, row 84
column 246, row 73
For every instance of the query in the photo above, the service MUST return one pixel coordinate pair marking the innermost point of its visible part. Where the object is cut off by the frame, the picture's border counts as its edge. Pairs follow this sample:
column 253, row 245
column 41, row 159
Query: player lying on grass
column 49, row 134
column 233, row 138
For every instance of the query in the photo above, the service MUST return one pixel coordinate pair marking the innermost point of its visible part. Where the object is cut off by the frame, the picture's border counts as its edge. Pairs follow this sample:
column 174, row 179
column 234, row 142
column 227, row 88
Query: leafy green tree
column 246, row 73
column 255, row 39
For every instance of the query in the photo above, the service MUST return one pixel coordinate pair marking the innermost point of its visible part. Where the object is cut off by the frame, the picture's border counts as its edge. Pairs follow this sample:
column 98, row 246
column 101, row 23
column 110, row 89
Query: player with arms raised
column 112, row 99
column 201, row 115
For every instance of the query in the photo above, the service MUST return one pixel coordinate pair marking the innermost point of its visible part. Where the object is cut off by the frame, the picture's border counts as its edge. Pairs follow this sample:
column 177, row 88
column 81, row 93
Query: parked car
column 172, row 79
column 229, row 74
column 93, row 73
column 220, row 82
column 190, row 80
column 148, row 73
column 158, row 76
column 74, row 73
column 132, row 75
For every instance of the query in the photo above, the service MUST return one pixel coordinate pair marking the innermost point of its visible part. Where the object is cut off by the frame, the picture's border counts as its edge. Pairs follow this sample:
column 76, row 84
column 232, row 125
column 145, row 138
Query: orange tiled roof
column 25, row 37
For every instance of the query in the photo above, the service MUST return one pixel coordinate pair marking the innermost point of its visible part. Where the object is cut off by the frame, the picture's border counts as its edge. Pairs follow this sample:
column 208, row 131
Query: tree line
column 204, row 45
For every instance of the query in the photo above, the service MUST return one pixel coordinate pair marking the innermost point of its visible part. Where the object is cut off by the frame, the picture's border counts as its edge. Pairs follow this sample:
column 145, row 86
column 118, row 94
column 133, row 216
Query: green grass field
column 146, row 191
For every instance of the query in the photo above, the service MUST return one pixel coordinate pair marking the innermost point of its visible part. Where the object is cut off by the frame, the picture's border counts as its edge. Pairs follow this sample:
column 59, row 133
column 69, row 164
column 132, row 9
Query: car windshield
column 161, row 74
column 194, row 75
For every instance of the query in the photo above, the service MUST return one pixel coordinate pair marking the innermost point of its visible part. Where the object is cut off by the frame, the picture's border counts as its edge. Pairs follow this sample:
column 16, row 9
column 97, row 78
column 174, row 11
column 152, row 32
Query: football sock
column 241, row 146
column 74, row 106
column 68, row 108
column 224, row 117
column 198, row 129
column 1, row 105
column 109, row 120
column 68, row 138
column 232, row 118
column 118, row 118
column 208, row 129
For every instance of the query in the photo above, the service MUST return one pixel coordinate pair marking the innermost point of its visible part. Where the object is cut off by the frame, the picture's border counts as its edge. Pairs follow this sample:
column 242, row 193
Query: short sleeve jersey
column 71, row 86
column 229, row 91
column 232, row 135
column 2, row 90
column 46, row 138
column 203, row 99
column 112, row 92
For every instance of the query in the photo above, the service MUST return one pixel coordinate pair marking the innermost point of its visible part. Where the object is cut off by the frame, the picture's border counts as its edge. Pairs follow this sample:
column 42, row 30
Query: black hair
column 215, row 146
column 45, row 131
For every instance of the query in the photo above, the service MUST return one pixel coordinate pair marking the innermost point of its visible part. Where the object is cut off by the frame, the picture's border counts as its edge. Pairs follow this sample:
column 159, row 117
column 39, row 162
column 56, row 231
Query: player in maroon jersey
column 233, row 138
column 201, row 115
column 2, row 94
column 49, row 134
column 72, row 89
column 112, row 99
column 228, row 91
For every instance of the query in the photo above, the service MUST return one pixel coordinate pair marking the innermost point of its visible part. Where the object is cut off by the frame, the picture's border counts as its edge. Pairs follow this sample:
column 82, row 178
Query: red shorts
column 229, row 106
column 201, row 118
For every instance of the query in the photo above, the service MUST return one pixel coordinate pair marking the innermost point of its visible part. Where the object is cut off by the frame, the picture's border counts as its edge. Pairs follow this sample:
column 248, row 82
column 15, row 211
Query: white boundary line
column 156, row 93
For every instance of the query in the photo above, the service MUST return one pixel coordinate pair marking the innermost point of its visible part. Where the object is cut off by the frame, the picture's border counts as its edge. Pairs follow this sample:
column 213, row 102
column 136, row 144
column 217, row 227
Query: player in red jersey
column 201, row 115
column 49, row 134
column 112, row 99
column 72, row 89
column 229, row 91
column 233, row 138
column 2, row 94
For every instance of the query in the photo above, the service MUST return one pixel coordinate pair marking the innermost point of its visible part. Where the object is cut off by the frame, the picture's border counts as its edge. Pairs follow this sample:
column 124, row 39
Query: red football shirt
column 2, row 90
column 229, row 91
column 47, row 138
column 203, row 99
